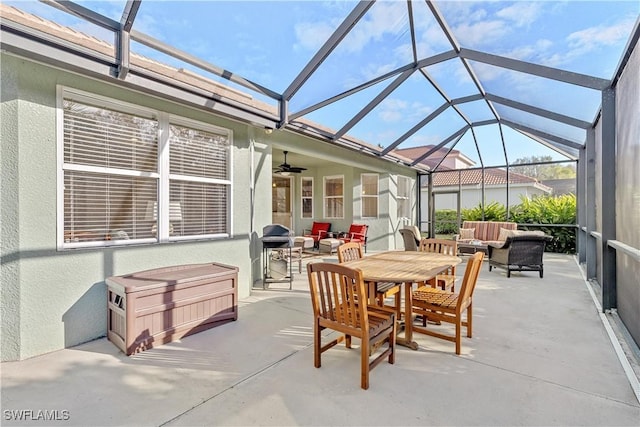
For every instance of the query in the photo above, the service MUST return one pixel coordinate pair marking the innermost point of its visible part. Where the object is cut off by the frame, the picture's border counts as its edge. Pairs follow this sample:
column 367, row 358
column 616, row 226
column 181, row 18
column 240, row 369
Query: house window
column 307, row 197
column 121, row 187
column 369, row 182
column 404, row 197
column 334, row 197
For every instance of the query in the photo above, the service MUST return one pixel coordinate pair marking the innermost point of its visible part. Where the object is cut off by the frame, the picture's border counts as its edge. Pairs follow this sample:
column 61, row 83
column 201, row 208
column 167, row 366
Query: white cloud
column 580, row 43
column 312, row 35
column 487, row 73
column 384, row 18
column 392, row 110
column 462, row 11
column 481, row 33
column 600, row 36
column 371, row 71
column 522, row 14
column 531, row 51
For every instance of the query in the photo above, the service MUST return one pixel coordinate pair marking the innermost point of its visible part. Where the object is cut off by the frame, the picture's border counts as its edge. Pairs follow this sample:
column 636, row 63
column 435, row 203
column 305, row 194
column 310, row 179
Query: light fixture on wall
column 151, row 214
column 268, row 130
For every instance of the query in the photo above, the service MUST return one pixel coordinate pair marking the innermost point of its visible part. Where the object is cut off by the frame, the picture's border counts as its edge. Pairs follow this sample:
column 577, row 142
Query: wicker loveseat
column 485, row 231
column 522, row 251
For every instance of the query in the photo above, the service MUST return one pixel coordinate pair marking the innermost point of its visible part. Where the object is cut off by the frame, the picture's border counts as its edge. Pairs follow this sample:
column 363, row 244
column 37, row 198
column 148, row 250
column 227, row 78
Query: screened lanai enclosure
column 466, row 94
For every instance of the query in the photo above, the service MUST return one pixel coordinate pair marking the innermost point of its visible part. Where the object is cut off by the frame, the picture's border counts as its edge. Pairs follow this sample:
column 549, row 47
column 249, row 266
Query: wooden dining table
column 404, row 268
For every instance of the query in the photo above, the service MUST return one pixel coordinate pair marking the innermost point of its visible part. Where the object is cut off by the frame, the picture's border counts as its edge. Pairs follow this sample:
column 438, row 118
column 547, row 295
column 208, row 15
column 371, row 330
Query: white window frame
column 325, row 197
column 370, row 196
column 303, row 197
column 403, row 197
column 162, row 173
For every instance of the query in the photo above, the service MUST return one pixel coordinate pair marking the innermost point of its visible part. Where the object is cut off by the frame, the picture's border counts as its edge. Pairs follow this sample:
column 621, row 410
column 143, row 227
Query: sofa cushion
column 467, row 233
column 504, row 233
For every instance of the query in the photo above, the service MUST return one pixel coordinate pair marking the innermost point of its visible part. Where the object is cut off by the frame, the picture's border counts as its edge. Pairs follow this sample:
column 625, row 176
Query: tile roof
column 445, row 176
column 431, row 161
column 492, row 176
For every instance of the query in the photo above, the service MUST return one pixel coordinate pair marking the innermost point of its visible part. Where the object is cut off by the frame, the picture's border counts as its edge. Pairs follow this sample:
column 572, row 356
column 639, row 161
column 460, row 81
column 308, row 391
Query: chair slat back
column 441, row 246
column 335, row 292
column 349, row 251
column 470, row 278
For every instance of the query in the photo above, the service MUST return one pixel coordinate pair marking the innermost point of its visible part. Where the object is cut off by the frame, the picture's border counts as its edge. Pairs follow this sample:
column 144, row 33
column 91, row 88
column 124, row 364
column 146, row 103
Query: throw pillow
column 467, row 233
column 504, row 233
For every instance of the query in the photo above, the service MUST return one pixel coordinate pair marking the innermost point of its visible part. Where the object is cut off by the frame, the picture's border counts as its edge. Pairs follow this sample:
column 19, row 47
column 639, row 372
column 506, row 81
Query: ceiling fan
column 285, row 168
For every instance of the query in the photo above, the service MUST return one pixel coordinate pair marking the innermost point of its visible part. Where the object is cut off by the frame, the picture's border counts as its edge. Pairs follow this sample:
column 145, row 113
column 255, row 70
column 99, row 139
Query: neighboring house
column 468, row 182
column 455, row 175
column 103, row 176
column 455, row 159
column 561, row 186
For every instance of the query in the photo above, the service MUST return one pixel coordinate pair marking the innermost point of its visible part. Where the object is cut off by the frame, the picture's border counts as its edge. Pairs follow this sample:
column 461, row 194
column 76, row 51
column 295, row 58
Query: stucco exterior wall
column 628, row 192
column 54, row 299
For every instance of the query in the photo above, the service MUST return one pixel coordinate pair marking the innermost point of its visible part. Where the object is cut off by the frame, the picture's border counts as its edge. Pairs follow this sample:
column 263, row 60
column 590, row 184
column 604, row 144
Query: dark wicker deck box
column 153, row 307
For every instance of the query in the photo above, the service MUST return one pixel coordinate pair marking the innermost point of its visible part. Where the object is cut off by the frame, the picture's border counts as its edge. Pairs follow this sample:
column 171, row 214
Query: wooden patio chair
column 446, row 280
column 442, row 306
column 353, row 250
column 338, row 297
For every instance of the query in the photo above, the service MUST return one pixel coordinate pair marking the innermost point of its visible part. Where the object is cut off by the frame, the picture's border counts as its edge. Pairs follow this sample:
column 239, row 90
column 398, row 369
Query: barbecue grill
column 276, row 239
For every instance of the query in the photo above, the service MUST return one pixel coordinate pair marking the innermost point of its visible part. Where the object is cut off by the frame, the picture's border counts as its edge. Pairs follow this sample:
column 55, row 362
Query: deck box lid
column 169, row 276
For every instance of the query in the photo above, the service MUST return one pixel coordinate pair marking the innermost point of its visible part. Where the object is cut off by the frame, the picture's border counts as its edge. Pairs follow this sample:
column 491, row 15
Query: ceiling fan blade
column 286, row 167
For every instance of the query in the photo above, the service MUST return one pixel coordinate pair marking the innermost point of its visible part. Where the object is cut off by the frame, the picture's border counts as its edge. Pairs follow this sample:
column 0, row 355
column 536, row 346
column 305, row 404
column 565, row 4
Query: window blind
column 199, row 180
column 334, row 197
column 369, row 195
column 404, row 197
column 115, row 187
column 110, row 173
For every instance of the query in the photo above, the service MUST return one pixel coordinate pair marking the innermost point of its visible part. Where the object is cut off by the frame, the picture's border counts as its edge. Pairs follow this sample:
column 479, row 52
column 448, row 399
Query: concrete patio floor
column 540, row 355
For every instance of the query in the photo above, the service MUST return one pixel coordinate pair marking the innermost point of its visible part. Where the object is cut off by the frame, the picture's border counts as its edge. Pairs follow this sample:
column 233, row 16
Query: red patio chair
column 318, row 232
column 357, row 233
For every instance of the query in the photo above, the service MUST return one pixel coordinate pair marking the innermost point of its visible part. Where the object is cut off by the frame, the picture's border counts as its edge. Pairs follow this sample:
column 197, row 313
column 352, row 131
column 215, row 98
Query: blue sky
column 269, row 42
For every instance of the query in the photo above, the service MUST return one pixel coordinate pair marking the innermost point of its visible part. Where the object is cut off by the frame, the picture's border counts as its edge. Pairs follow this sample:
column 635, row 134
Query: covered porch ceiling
column 494, row 80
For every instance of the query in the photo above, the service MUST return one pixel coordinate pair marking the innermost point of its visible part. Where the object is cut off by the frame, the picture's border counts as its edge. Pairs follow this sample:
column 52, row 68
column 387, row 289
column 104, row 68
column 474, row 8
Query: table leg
column 372, row 293
column 407, row 340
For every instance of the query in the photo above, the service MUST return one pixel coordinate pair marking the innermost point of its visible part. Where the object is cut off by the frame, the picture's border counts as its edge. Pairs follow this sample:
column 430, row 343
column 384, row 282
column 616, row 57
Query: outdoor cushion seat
column 328, row 245
column 303, row 242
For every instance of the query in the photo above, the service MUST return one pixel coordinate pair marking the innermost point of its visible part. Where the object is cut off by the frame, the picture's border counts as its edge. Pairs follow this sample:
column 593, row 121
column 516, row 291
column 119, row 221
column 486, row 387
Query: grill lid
column 276, row 236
